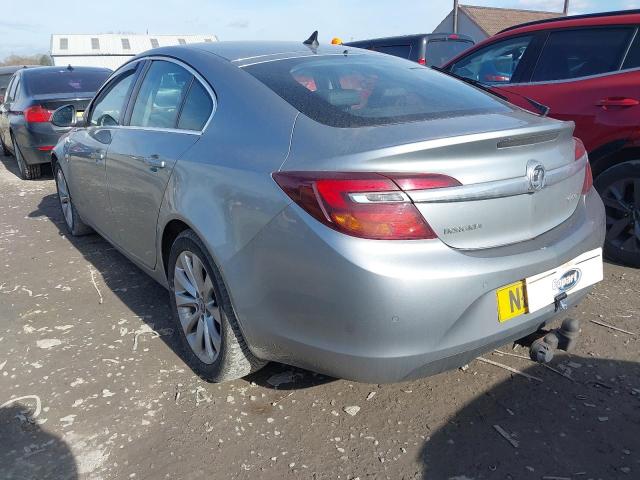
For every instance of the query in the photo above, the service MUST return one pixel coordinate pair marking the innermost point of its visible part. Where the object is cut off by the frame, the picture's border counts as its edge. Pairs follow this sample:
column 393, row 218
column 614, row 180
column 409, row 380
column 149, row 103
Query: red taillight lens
column 365, row 205
column 422, row 61
column 581, row 151
column 588, row 179
column 37, row 114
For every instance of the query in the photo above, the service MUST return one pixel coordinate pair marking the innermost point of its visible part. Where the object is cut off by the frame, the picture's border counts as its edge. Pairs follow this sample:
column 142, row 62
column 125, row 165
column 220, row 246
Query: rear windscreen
column 358, row 90
column 64, row 81
column 440, row 52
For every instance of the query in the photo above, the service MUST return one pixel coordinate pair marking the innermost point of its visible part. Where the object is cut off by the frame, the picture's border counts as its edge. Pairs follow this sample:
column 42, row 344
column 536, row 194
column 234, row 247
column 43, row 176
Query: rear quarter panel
column 222, row 187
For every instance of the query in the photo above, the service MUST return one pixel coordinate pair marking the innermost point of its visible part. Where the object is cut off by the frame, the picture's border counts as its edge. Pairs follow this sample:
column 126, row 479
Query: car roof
column 53, row 69
column 591, row 19
column 416, row 36
column 11, row 69
column 237, row 51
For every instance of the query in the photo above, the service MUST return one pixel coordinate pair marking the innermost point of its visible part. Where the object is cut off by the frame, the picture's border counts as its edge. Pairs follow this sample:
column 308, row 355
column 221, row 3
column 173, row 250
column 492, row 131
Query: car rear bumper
column 385, row 311
column 36, row 142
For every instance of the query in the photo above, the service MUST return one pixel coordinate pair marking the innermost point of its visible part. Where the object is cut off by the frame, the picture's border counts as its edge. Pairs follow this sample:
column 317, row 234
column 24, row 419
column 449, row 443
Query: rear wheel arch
column 612, row 154
column 54, row 162
column 169, row 234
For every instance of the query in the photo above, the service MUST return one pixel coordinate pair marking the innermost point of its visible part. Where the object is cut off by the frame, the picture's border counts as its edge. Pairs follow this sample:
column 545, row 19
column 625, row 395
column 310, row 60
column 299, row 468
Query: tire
column 5, row 150
column 27, row 172
column 227, row 356
column 72, row 219
column 619, row 187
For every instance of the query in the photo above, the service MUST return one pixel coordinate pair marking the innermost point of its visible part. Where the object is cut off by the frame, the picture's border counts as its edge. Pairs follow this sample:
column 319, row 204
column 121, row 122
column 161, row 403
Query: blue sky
column 27, row 28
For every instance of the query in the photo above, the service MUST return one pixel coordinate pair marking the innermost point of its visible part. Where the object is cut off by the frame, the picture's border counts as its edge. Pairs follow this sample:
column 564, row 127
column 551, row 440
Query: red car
column 586, row 69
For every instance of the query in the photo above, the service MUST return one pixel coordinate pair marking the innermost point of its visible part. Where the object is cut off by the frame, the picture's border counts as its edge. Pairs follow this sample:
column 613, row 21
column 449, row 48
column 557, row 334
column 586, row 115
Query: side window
column 494, row 64
column 108, row 108
column 196, row 109
column 11, row 92
column 160, row 96
column 633, row 56
column 580, row 53
column 402, row 51
column 15, row 94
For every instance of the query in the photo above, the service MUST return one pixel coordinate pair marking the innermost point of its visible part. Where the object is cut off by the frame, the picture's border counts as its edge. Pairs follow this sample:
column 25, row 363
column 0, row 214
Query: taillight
column 588, row 179
column 422, row 61
column 365, row 205
column 37, row 114
column 581, row 151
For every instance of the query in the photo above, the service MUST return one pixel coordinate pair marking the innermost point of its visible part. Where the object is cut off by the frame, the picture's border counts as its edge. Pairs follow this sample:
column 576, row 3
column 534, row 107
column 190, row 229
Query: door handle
column 617, row 102
column 98, row 156
column 154, row 162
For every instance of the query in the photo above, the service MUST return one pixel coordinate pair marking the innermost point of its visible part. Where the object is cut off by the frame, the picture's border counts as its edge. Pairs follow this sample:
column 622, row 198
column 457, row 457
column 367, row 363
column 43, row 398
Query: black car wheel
column 71, row 217
column 5, row 150
column 27, row 172
column 211, row 342
column 619, row 187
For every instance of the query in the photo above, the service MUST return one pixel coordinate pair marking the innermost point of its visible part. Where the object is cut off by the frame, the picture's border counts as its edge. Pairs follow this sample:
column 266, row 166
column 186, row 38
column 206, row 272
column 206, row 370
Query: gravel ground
column 90, row 386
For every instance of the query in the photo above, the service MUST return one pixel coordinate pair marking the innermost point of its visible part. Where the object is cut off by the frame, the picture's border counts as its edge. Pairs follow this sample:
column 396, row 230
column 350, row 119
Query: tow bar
column 563, row 338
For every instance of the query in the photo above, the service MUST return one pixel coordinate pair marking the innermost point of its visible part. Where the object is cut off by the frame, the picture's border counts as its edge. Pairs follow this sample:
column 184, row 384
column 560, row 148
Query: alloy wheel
column 65, row 198
column 198, row 309
column 622, row 203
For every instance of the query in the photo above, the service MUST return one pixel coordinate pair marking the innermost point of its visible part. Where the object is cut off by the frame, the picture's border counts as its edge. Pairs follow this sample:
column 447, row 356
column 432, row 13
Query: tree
column 37, row 59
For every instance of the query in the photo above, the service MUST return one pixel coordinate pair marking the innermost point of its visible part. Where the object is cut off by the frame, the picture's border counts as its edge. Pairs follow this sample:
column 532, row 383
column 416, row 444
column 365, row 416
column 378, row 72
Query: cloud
column 239, row 24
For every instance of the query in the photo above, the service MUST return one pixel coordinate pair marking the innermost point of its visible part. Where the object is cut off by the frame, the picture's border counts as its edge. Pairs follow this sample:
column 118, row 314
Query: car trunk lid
column 54, row 101
column 498, row 159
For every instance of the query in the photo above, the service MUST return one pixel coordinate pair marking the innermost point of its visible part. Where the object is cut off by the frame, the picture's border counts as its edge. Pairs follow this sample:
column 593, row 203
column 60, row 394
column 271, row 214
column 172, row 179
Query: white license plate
column 579, row 273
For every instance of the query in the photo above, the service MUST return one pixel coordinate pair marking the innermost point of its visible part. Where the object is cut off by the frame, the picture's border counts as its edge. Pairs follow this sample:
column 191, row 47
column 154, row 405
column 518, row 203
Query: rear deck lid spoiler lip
column 495, row 189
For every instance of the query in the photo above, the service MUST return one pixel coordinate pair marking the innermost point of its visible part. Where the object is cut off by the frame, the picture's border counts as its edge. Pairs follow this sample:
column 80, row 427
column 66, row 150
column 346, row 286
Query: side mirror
column 65, row 116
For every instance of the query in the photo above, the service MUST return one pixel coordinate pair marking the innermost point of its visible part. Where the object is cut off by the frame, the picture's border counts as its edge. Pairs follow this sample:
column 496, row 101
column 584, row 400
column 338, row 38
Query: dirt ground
column 90, row 386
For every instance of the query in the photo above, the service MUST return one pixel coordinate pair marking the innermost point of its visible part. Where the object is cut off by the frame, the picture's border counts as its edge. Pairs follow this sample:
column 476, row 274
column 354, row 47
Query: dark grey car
column 31, row 97
column 5, row 76
column 432, row 49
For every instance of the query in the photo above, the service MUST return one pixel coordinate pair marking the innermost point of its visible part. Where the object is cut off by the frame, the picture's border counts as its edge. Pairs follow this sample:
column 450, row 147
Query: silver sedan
column 331, row 208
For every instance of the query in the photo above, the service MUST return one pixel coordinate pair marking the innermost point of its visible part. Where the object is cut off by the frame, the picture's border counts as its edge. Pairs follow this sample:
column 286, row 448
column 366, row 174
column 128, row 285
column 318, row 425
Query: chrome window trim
column 196, row 75
column 566, row 80
column 626, row 52
column 496, row 189
column 151, row 129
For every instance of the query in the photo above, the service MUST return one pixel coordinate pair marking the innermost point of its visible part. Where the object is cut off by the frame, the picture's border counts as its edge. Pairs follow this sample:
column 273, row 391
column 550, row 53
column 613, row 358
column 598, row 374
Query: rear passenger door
column 587, row 75
column 170, row 109
column 86, row 150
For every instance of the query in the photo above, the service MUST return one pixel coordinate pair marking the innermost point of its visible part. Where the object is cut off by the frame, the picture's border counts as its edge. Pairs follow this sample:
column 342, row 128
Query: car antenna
column 312, row 41
column 70, row 68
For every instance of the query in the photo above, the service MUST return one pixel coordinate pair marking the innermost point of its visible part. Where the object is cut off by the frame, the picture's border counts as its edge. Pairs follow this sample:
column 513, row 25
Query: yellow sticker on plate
column 512, row 301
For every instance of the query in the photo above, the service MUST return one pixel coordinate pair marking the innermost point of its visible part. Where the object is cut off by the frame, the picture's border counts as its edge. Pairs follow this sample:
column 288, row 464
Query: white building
column 112, row 49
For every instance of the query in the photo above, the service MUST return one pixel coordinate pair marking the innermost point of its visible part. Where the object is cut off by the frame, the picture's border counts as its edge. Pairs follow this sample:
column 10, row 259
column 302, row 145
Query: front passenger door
column 170, row 110
column 86, row 151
